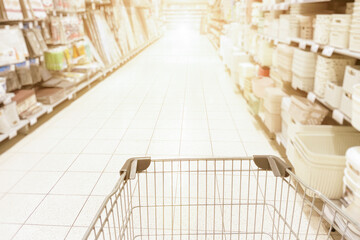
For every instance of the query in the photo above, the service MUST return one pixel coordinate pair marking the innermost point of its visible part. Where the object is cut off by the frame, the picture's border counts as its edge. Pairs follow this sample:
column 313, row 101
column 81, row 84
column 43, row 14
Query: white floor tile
column 70, row 146
column 89, row 211
column 167, row 134
column 224, row 135
column 132, row 147
column 16, row 208
column 8, row 230
column 195, row 134
column 108, row 133
column 76, row 183
column 138, row 134
column 33, row 232
column 21, row 161
column 58, row 162
column 101, row 146
column 37, row 182
column 9, row 179
column 90, row 163
column 57, row 210
column 232, row 148
column 196, row 148
column 164, row 148
column 117, row 161
column 106, row 183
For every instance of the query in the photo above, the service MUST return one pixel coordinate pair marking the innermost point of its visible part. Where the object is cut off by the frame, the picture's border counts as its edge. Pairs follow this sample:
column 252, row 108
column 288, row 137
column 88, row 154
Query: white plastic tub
column 352, row 77
column 303, row 83
column 339, row 39
column 306, row 112
column 273, row 122
column 260, row 84
column 346, row 104
column 333, row 94
column 355, row 114
column 354, row 41
column 319, row 160
column 272, row 101
column 246, row 70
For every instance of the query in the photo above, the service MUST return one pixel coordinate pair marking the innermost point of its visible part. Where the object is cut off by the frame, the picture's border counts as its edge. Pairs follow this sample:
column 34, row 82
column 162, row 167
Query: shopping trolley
column 255, row 197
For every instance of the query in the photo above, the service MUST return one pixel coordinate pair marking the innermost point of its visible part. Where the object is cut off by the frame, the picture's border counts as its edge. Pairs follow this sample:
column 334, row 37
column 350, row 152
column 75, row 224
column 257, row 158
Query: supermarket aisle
column 174, row 99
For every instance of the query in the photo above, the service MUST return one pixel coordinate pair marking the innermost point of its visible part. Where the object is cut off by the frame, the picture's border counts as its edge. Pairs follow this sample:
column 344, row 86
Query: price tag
column 338, row 116
column 70, row 96
column 93, row 6
column 7, row 27
column 315, row 48
column 43, row 24
column 311, row 97
column 61, row 15
column 12, row 134
column 27, row 63
column 36, row 23
column 328, row 51
column 33, row 121
column 49, row 110
column 288, row 40
column 276, row 41
column 41, row 58
column 37, row 62
column 12, row 67
column 54, row 13
column 302, row 45
column 21, row 25
column 31, row 25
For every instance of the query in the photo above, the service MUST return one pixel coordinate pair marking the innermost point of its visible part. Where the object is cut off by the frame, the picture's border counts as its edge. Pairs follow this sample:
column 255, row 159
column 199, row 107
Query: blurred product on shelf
column 50, row 95
column 259, row 85
column 319, row 159
column 306, row 112
column 355, row 110
column 330, row 70
column 272, row 106
column 303, row 69
column 285, row 58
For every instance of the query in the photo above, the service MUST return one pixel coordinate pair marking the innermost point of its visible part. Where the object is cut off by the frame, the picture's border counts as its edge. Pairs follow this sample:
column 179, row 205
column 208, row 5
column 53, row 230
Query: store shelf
column 34, row 118
column 14, row 131
column 46, row 109
column 285, row 6
column 337, row 115
column 315, row 47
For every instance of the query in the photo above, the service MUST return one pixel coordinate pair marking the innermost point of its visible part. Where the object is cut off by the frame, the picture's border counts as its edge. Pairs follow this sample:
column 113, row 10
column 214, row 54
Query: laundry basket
column 213, row 198
column 319, row 159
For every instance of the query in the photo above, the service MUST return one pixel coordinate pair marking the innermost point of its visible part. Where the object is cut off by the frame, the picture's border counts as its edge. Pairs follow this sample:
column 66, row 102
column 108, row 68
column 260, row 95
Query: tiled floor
column 173, row 99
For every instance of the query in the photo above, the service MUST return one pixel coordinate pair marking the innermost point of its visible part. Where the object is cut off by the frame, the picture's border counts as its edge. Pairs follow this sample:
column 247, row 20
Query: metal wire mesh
column 216, row 199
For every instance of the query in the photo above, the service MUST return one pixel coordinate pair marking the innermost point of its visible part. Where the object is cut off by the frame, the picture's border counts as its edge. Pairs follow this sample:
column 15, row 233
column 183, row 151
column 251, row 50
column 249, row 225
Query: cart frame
column 160, row 199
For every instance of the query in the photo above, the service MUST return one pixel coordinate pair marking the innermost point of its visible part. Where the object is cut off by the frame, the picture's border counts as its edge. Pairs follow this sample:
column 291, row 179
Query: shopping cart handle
column 273, row 163
column 134, row 165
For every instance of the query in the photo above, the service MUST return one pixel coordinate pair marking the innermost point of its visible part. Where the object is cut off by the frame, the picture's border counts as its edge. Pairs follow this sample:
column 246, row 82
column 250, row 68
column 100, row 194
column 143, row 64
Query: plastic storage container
column 333, row 94
column 319, row 159
column 352, row 77
column 272, row 101
column 322, row 28
column 246, row 70
column 355, row 114
column 260, row 84
column 272, row 121
column 306, row 112
column 346, row 104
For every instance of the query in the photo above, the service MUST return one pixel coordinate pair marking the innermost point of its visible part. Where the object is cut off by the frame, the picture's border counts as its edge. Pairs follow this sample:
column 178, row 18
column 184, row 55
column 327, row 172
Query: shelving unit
column 91, row 76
